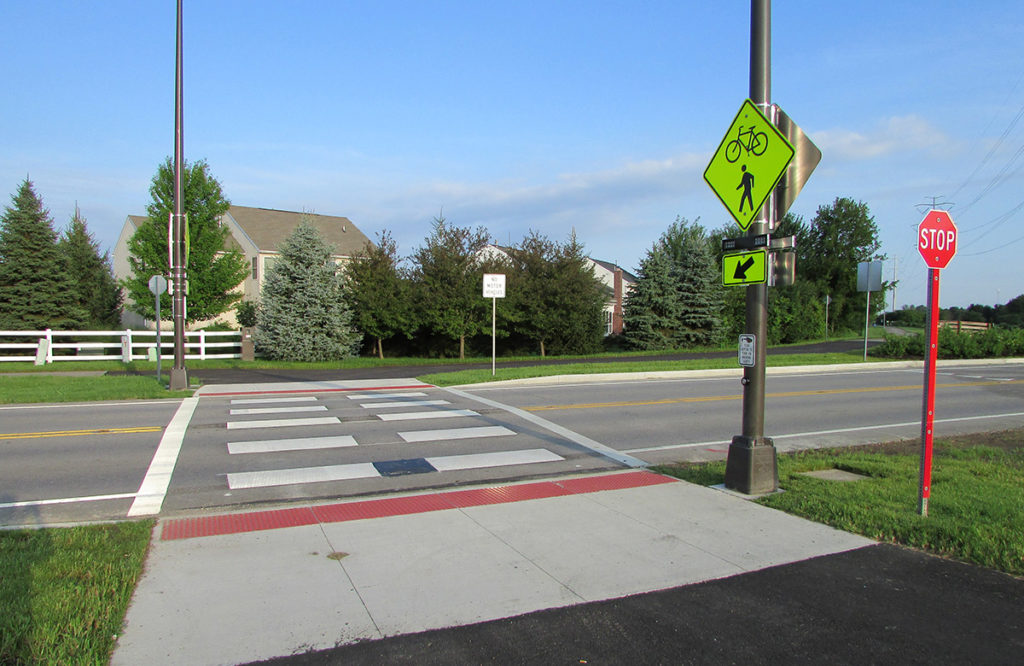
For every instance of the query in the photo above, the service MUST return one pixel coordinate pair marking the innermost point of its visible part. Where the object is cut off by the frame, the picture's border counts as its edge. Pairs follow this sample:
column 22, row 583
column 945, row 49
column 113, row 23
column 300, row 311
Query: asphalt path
column 249, row 375
column 882, row 604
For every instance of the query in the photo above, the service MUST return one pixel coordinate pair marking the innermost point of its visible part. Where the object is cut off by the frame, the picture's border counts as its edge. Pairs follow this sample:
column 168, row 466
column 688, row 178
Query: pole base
column 179, row 379
column 752, row 467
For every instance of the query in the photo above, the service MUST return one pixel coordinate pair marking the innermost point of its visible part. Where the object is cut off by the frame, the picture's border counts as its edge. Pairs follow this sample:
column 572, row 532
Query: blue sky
column 594, row 116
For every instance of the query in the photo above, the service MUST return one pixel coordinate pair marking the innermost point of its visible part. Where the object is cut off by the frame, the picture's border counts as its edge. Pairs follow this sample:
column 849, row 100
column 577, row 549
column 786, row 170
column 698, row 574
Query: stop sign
column 936, row 239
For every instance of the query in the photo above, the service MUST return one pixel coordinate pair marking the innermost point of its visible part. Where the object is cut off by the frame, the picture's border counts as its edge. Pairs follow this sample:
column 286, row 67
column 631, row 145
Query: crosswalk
column 277, row 414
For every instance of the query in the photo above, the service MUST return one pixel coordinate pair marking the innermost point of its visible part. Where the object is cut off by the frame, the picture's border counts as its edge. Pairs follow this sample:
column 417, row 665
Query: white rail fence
column 50, row 346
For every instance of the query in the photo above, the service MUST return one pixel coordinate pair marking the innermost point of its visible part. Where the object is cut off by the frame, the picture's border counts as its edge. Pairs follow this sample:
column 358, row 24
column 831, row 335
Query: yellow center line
column 738, row 396
column 78, row 433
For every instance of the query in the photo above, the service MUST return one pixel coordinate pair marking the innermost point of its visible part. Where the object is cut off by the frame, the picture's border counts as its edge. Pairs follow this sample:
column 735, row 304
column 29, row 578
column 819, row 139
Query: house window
column 608, row 322
column 256, row 269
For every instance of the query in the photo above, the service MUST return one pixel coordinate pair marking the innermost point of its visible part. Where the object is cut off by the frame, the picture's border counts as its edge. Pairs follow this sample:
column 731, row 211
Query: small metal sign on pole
column 157, row 285
column 494, row 288
column 869, row 279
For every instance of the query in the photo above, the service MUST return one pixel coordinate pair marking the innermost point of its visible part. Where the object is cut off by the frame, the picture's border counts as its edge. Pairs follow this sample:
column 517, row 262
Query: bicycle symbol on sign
column 746, row 139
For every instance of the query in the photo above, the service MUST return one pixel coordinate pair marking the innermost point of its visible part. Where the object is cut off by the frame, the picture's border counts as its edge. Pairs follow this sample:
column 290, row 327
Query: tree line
column 51, row 279
column 432, row 304
column 429, row 303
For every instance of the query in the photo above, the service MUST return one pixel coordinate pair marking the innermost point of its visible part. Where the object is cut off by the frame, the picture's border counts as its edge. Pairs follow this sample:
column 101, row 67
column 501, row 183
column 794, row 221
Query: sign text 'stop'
column 936, row 239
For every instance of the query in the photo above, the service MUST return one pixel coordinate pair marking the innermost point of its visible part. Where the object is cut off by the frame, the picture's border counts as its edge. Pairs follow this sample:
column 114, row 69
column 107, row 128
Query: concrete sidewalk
column 244, row 587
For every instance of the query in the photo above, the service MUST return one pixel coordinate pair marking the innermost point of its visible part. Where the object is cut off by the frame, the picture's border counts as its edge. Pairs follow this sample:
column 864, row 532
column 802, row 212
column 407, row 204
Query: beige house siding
column 257, row 233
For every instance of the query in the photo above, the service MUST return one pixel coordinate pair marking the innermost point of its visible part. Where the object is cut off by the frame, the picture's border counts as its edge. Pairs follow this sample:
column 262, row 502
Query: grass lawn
column 974, row 513
column 64, row 592
column 53, row 388
column 484, row 375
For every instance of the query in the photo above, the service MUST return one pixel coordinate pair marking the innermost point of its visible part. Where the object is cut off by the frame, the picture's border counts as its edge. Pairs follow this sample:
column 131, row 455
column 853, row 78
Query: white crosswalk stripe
column 440, row 414
column 404, row 403
column 276, row 410
column 284, row 423
column 295, row 444
column 455, row 433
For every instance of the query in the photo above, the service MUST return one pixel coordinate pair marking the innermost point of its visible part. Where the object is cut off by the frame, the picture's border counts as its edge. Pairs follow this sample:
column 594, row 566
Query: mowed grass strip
column 64, row 592
column 461, row 377
column 974, row 513
column 17, row 389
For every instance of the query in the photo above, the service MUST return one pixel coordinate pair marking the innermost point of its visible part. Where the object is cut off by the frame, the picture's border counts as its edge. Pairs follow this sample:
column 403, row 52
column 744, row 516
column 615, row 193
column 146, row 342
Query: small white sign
column 747, row 345
column 494, row 285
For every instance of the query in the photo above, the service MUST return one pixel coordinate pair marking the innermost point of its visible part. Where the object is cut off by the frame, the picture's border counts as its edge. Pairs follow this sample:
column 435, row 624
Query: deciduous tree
column 214, row 268
column 448, row 273
column 379, row 292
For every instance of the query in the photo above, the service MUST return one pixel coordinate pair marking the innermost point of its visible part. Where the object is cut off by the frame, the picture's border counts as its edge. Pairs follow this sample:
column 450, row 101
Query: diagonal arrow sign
column 742, row 268
column 745, row 268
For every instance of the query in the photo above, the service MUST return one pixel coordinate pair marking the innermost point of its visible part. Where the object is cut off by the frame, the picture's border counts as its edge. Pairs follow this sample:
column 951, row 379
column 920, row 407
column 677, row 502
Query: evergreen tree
column 652, row 308
column 677, row 299
column 95, row 288
column 303, row 315
column 379, row 292
column 36, row 289
column 448, row 274
column 214, row 269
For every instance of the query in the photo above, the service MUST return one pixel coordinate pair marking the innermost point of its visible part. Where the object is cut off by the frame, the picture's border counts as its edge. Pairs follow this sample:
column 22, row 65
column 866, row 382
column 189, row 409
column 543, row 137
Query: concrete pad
column 241, row 597
column 596, row 552
column 739, row 531
column 439, row 569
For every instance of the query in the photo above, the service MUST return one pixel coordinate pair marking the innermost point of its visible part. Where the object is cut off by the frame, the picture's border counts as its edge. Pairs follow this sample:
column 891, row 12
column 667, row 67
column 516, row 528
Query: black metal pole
column 179, row 376
column 752, row 466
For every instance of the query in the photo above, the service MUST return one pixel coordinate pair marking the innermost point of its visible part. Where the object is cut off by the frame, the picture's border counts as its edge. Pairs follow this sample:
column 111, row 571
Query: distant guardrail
column 51, row 346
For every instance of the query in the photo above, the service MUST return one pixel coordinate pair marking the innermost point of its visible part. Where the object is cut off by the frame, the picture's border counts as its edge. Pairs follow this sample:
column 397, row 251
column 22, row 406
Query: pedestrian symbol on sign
column 747, row 183
column 749, row 162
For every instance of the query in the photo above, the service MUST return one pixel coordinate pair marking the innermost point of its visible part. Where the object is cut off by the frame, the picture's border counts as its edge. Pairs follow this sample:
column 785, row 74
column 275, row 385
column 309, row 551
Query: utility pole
column 752, row 466
column 179, row 376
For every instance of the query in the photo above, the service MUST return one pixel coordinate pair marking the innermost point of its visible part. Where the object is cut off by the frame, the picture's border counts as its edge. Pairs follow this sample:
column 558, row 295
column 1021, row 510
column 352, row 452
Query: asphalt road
column 69, row 463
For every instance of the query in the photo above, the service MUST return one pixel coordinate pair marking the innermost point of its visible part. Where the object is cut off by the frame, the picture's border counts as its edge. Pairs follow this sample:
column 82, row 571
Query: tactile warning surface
column 188, row 528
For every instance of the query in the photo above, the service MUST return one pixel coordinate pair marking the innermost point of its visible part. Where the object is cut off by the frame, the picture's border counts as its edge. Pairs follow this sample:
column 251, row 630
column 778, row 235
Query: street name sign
column 748, row 164
column 743, row 268
column 936, row 239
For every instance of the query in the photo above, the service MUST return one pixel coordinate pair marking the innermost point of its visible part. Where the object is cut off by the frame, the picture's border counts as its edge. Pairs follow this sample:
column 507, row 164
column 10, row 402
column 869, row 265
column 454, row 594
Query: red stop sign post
column 936, row 241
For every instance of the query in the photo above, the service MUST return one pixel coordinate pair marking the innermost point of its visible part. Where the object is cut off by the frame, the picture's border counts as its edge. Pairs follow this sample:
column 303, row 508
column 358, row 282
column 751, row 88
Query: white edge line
column 151, row 493
column 577, row 438
column 67, row 500
column 836, row 431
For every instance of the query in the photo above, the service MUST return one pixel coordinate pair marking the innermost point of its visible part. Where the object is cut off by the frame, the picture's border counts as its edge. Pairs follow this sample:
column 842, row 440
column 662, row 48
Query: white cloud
column 898, row 134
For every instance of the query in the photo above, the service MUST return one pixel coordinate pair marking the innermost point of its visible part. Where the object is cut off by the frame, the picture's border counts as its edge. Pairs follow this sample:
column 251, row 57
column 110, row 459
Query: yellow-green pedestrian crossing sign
column 748, row 164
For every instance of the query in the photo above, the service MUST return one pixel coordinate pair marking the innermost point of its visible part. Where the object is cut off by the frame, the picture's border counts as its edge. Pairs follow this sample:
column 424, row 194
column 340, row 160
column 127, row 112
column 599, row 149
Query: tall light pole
column 179, row 376
column 752, row 466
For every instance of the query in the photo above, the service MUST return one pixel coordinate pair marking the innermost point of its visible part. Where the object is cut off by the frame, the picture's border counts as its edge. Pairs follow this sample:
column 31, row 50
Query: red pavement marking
column 320, row 390
column 188, row 528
